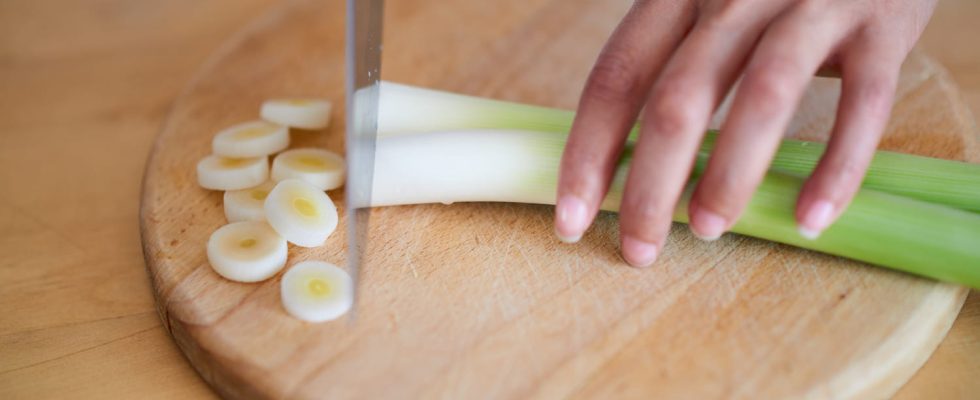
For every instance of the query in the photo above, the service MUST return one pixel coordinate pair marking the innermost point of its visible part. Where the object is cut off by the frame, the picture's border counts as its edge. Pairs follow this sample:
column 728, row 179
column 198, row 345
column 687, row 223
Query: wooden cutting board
column 481, row 300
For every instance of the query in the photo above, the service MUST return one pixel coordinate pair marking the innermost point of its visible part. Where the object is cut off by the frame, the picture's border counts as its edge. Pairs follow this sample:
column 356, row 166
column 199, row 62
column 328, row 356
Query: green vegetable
column 406, row 109
column 522, row 166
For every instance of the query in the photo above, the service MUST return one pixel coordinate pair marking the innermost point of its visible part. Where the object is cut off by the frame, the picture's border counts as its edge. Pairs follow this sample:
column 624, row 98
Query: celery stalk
column 521, row 166
column 406, row 109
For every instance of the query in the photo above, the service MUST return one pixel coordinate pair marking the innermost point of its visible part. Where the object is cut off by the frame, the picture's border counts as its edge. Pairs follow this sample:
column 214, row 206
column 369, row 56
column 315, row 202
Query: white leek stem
column 522, row 166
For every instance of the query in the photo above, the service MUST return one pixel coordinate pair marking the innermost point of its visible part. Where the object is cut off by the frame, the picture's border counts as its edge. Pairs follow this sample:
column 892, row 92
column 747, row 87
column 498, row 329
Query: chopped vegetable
column 316, row 291
column 246, row 251
column 321, row 168
column 301, row 212
column 221, row 173
column 406, row 109
column 264, row 215
column 247, row 204
column 303, row 113
column 522, row 166
column 251, row 139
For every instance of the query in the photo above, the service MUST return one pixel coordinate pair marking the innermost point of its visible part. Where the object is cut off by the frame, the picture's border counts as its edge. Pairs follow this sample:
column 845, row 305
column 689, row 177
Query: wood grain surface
column 85, row 87
column 475, row 300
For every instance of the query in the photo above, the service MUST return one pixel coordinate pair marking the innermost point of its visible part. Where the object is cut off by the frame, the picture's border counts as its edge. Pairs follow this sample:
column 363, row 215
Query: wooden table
column 84, row 87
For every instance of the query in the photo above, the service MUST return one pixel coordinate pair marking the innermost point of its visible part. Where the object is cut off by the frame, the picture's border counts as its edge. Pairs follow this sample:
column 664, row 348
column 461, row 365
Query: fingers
column 612, row 97
column 678, row 109
column 787, row 56
column 870, row 74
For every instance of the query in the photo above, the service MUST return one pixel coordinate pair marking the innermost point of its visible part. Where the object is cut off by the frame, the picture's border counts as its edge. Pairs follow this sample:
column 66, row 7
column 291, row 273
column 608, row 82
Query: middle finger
column 677, row 112
column 787, row 56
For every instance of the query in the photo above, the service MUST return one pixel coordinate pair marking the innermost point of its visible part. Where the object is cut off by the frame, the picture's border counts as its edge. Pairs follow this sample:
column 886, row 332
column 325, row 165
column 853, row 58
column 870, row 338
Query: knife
column 363, row 76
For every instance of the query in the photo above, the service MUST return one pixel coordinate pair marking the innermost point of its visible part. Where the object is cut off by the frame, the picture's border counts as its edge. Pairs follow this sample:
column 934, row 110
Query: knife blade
column 363, row 55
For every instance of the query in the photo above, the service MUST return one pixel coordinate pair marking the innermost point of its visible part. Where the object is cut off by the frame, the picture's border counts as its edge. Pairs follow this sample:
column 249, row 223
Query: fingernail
column 638, row 253
column 707, row 225
column 571, row 218
column 816, row 219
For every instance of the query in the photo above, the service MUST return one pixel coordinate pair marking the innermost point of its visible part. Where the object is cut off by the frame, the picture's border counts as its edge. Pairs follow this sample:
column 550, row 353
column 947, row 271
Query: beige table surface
column 84, row 87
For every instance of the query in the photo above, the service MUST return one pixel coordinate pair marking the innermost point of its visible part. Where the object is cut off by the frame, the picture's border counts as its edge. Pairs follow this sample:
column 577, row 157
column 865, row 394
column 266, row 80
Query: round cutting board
column 481, row 300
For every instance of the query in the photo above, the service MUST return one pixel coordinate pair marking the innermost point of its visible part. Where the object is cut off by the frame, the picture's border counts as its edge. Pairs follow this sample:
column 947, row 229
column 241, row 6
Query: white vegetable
column 298, row 113
column 477, row 165
column 251, row 139
column 316, row 291
column 246, row 251
column 221, row 173
column 321, row 168
column 247, row 204
column 301, row 213
column 404, row 109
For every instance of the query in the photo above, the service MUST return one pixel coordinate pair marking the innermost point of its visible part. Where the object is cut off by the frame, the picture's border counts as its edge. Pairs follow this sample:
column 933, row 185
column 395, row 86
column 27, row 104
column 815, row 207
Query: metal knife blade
column 364, row 19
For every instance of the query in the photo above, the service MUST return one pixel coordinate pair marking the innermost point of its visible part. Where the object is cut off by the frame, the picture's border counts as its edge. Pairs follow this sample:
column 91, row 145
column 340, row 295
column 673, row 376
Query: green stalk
column 522, row 166
column 406, row 109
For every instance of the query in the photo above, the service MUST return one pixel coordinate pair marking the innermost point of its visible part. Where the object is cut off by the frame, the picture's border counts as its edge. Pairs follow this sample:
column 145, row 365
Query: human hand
column 676, row 60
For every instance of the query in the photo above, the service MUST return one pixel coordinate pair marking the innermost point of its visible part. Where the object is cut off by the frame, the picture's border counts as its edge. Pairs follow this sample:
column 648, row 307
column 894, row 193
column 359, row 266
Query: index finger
column 610, row 102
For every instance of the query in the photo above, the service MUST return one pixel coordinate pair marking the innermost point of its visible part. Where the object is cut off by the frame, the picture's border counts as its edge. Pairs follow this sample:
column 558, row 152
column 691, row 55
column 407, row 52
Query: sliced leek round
column 247, row 204
column 246, row 251
column 322, row 168
column 316, row 291
column 222, row 173
column 303, row 113
column 301, row 213
column 251, row 139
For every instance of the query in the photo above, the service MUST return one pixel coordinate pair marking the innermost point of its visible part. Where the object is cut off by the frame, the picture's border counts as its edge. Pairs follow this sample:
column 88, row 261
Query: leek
column 406, row 109
column 522, row 166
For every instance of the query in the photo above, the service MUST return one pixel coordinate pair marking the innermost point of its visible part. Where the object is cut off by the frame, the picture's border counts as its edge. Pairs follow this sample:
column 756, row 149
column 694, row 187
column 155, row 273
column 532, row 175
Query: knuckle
column 643, row 210
column 847, row 171
column 725, row 184
column 590, row 155
column 669, row 111
column 586, row 167
column 613, row 77
column 668, row 118
column 770, row 84
column 727, row 15
column 812, row 6
column 812, row 10
column 642, row 214
column 581, row 167
column 722, row 191
column 590, row 160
